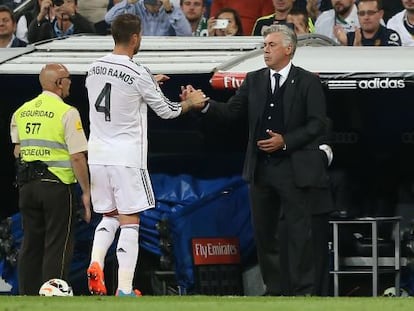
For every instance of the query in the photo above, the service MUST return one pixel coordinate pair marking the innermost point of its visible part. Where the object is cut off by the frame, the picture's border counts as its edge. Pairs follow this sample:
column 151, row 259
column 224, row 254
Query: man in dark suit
column 286, row 112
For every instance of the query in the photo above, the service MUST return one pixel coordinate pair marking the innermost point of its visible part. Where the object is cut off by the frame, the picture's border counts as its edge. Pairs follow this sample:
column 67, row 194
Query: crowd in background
column 346, row 22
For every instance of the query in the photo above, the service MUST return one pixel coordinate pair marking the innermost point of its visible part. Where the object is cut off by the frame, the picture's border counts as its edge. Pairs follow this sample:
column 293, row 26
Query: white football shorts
column 121, row 188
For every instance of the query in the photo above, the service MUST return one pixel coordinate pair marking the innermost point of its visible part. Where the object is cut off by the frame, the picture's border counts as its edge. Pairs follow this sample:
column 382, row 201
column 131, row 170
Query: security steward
column 50, row 150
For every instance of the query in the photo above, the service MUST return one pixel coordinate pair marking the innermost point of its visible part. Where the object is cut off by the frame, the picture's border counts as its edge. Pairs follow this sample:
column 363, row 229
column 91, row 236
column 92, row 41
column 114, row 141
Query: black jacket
column 45, row 29
column 304, row 118
column 17, row 43
column 383, row 37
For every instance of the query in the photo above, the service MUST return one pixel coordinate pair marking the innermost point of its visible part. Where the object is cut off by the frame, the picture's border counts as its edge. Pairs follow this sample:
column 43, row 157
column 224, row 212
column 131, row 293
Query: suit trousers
column 281, row 217
column 47, row 210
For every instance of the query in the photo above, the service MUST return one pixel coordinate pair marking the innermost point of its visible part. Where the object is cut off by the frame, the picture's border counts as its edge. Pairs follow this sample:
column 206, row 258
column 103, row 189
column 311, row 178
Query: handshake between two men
column 192, row 99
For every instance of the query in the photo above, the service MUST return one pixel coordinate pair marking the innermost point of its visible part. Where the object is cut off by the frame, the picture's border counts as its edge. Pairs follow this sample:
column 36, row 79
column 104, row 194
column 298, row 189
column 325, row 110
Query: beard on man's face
column 342, row 9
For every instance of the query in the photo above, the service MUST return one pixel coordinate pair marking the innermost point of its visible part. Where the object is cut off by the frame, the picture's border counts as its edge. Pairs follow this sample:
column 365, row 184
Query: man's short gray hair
column 289, row 36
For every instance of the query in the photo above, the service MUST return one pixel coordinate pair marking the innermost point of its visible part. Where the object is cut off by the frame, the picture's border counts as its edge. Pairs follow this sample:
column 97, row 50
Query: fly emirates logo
column 211, row 249
column 207, row 251
column 232, row 82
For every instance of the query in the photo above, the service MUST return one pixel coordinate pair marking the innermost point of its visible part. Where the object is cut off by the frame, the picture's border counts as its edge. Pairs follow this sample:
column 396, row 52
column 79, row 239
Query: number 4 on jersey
column 103, row 102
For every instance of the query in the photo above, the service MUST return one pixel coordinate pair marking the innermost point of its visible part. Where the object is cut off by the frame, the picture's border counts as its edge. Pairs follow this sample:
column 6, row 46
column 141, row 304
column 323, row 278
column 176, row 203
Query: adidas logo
column 376, row 83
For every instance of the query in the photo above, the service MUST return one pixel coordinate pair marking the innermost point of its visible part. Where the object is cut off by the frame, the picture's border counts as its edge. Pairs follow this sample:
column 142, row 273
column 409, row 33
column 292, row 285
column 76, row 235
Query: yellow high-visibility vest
column 42, row 135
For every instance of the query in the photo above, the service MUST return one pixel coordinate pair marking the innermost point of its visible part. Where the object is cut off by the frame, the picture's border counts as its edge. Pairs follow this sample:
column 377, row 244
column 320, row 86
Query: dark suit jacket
column 304, row 118
column 17, row 43
column 45, row 30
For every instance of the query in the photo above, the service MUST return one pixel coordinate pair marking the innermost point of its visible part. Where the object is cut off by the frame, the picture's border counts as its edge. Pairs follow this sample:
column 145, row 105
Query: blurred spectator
column 10, row 3
column 58, row 19
column 226, row 23
column 194, row 11
column 281, row 11
column 208, row 7
column 391, row 7
column 175, row 3
column 111, row 3
column 247, row 11
column 403, row 23
column 371, row 33
column 158, row 17
column 7, row 3
column 7, row 29
column 343, row 16
column 298, row 20
column 93, row 10
column 313, row 7
column 24, row 17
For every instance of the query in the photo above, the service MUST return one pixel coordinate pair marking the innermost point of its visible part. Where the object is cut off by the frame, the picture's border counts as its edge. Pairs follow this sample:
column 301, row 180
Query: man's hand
column 161, row 78
column 340, row 34
column 358, row 37
column 210, row 26
column 192, row 98
column 185, row 91
column 167, row 5
column 196, row 99
column 66, row 8
column 272, row 144
column 44, row 9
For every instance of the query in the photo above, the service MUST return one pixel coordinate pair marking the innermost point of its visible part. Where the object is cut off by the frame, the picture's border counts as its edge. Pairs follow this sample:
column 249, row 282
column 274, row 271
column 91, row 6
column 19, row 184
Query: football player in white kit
column 120, row 92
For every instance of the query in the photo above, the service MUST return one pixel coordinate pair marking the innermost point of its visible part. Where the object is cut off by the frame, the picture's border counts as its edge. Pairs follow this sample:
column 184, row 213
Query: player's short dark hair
column 124, row 26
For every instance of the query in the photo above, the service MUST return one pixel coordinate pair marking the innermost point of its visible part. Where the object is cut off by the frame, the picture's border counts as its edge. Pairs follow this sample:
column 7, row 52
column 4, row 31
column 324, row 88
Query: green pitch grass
column 203, row 303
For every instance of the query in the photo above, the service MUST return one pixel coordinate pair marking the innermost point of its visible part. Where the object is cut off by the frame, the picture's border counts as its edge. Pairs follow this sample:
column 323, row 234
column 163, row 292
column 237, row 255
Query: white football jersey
column 119, row 92
column 396, row 23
